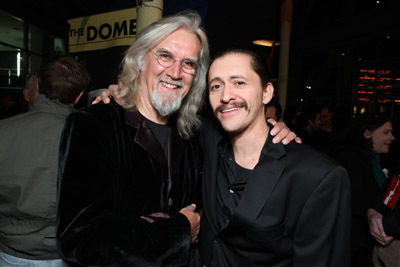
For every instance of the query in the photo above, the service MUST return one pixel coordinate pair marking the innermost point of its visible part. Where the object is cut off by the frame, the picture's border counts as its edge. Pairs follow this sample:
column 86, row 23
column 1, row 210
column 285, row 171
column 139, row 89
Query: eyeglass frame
column 160, row 61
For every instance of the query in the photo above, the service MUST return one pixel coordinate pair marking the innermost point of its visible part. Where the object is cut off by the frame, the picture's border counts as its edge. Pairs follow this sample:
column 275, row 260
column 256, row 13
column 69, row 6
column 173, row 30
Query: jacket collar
column 260, row 185
column 147, row 140
column 51, row 105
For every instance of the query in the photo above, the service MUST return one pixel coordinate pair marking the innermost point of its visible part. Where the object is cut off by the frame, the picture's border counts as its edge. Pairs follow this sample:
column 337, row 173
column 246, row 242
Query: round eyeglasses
column 166, row 60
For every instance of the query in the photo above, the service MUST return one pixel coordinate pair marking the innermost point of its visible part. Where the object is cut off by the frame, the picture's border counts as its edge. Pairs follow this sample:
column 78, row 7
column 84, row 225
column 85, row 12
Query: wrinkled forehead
column 181, row 43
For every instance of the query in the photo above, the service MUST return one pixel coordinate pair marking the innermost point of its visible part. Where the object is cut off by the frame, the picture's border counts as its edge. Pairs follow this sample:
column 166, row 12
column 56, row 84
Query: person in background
column 29, row 145
column 384, row 223
column 290, row 118
column 327, row 133
column 359, row 152
column 308, row 124
column 31, row 90
column 326, row 114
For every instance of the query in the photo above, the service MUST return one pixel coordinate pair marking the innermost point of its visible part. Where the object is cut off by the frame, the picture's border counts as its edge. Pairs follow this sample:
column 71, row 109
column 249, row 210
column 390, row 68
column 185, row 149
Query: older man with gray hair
column 129, row 175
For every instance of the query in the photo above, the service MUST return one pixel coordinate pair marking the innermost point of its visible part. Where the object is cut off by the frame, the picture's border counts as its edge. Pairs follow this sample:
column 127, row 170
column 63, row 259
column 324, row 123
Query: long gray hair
column 134, row 61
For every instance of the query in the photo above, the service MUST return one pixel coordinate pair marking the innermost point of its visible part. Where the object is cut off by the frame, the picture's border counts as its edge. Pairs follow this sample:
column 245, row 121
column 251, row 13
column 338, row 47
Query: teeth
column 168, row 85
column 231, row 109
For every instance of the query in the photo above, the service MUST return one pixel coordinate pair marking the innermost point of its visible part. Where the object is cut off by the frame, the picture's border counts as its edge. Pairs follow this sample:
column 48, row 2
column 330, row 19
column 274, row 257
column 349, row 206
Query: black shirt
column 161, row 131
column 232, row 180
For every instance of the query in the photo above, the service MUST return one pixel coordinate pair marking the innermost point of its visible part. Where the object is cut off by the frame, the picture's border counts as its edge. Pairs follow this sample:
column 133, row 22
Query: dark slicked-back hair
column 257, row 62
column 63, row 79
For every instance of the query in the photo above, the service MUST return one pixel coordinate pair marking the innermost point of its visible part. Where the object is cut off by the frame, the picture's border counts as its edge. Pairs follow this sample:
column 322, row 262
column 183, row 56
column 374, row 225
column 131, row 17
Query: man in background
column 29, row 145
column 308, row 123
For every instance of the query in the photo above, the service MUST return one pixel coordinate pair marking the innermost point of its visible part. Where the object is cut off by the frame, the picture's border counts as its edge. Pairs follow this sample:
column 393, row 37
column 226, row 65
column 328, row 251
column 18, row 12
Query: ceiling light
column 265, row 42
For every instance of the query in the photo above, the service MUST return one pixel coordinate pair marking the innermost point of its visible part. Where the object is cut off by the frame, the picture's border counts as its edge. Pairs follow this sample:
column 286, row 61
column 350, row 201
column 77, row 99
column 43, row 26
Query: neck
column 247, row 145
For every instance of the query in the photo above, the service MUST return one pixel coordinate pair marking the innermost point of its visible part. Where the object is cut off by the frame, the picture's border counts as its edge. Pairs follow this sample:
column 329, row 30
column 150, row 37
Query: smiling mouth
column 230, row 109
column 171, row 85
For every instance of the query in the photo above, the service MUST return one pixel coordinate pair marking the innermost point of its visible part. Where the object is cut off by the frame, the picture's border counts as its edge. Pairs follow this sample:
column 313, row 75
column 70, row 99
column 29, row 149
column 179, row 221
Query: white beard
column 165, row 102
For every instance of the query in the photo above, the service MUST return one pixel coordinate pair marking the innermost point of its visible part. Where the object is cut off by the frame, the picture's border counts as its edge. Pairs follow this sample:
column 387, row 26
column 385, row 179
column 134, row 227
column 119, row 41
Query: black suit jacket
column 294, row 211
column 119, row 196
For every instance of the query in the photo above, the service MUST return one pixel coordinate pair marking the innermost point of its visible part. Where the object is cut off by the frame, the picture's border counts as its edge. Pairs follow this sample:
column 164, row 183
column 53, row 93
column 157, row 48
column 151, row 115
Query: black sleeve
column 91, row 230
column 320, row 240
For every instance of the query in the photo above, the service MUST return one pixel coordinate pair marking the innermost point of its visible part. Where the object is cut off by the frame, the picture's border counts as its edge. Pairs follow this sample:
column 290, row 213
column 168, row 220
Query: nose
column 392, row 137
column 175, row 71
column 227, row 94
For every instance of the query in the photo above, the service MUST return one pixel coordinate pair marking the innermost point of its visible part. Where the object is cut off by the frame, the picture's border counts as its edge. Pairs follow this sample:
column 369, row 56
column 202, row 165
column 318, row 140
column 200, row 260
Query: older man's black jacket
column 119, row 196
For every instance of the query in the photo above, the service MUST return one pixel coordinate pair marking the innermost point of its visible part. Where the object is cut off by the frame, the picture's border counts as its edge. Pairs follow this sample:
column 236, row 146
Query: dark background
column 331, row 41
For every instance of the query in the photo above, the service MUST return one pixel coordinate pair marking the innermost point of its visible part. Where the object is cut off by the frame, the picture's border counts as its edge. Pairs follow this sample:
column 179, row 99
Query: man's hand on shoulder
column 282, row 133
column 105, row 96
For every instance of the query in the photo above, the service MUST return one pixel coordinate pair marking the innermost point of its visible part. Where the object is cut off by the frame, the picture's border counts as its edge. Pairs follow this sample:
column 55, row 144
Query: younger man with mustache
column 265, row 204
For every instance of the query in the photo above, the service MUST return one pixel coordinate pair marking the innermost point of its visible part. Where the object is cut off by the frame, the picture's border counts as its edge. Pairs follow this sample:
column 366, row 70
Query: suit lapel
column 260, row 185
column 148, row 141
column 212, row 157
column 145, row 137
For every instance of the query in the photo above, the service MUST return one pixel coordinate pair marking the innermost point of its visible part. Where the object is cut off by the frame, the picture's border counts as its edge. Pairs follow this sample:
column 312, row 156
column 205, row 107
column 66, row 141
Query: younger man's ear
column 268, row 93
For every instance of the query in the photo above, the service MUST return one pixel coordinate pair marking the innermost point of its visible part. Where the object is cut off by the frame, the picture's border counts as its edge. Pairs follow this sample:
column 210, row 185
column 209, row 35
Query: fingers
column 385, row 241
column 191, row 207
column 282, row 133
column 105, row 96
column 376, row 227
column 194, row 219
column 114, row 88
column 272, row 121
column 96, row 100
column 195, row 229
column 298, row 140
column 277, row 127
column 289, row 137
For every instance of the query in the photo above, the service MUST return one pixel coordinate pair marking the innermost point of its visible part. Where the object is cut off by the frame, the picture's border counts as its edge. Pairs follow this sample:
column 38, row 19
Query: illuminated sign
column 117, row 28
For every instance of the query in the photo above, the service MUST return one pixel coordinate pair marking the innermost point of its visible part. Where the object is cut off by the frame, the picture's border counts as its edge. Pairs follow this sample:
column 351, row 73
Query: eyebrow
column 238, row 76
column 230, row 78
column 164, row 50
column 215, row 79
